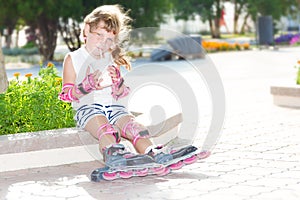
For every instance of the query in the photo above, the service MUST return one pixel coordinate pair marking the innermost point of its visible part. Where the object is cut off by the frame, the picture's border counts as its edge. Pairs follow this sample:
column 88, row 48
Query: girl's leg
column 100, row 128
column 114, row 154
column 134, row 132
column 139, row 136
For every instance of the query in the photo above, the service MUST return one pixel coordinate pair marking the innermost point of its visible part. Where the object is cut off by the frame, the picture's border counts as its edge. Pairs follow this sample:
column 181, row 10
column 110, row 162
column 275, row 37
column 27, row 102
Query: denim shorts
column 111, row 112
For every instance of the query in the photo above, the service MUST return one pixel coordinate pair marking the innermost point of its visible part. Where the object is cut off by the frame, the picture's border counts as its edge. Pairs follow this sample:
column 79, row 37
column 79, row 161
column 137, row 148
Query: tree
column 8, row 19
column 255, row 8
column 275, row 8
column 69, row 21
column 50, row 16
column 209, row 10
column 3, row 76
column 44, row 16
column 146, row 13
column 239, row 8
column 70, row 32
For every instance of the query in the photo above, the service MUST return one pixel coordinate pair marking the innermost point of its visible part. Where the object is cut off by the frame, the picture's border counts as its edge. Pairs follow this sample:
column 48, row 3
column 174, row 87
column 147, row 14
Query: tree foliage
column 49, row 17
column 8, row 19
column 44, row 17
column 146, row 13
column 210, row 10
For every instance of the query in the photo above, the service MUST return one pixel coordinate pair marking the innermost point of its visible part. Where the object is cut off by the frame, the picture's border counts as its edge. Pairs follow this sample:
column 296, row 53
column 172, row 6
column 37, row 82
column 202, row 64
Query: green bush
column 298, row 76
column 298, row 72
column 29, row 45
column 32, row 104
column 20, row 51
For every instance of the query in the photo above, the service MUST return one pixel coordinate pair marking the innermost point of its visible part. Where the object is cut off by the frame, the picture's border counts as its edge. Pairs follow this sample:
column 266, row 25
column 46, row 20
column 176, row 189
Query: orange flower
column 17, row 74
column 246, row 45
column 50, row 64
column 28, row 75
column 298, row 62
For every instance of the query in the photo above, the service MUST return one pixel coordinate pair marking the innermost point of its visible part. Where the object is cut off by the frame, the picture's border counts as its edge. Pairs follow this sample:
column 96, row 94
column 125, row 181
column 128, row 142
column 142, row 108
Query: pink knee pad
column 108, row 130
column 136, row 130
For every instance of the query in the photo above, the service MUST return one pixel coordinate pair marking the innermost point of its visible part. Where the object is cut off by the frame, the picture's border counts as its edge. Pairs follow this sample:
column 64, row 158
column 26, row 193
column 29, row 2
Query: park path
column 257, row 156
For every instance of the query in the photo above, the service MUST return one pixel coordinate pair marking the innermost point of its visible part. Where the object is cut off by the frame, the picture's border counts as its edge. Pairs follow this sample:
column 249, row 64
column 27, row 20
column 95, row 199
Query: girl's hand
column 95, row 76
column 114, row 73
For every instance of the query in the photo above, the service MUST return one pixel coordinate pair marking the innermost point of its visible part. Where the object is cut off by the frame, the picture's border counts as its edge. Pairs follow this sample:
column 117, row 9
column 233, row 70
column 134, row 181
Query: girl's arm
column 71, row 92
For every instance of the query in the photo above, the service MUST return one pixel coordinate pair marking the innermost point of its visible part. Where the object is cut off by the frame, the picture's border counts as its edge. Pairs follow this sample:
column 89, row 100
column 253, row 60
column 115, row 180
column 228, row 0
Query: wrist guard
column 66, row 94
column 86, row 86
column 116, row 87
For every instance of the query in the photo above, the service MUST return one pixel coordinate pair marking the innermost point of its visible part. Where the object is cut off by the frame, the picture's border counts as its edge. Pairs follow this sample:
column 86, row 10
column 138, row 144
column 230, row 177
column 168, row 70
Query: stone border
column 67, row 137
column 286, row 96
column 286, row 90
column 63, row 146
column 42, row 140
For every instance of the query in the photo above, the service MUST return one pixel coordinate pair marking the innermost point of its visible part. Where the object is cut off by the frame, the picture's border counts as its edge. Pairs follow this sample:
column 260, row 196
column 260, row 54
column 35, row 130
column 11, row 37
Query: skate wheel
column 190, row 160
column 143, row 172
column 176, row 166
column 203, row 154
column 158, row 170
column 110, row 176
column 172, row 151
column 164, row 172
column 127, row 174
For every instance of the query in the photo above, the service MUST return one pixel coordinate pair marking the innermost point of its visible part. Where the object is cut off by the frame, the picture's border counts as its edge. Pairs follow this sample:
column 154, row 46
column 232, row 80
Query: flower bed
column 212, row 46
column 32, row 104
column 289, row 38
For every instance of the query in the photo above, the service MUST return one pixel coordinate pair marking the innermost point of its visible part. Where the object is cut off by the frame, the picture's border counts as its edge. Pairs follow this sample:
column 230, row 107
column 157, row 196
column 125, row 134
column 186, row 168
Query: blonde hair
column 116, row 20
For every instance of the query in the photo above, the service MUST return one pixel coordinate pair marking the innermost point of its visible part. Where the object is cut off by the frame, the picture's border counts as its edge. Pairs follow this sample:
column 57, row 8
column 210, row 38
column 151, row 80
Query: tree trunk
column 235, row 18
column 238, row 8
column 17, row 38
column 46, row 37
column 216, row 33
column 3, row 76
column 211, row 27
column 244, row 25
column 8, row 41
column 70, row 33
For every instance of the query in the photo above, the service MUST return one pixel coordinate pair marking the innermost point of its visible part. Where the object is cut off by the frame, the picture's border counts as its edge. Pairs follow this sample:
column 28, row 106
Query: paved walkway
column 257, row 156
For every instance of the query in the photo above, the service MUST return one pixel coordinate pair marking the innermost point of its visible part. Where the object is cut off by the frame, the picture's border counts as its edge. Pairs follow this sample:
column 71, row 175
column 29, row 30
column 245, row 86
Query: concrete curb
column 43, row 149
column 42, row 140
column 63, row 146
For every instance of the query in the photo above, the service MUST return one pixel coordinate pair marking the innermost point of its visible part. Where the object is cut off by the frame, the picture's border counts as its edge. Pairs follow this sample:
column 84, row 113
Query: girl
column 92, row 82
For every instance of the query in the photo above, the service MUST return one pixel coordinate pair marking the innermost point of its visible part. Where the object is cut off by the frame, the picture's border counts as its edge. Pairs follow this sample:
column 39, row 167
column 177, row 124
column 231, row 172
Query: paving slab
column 257, row 156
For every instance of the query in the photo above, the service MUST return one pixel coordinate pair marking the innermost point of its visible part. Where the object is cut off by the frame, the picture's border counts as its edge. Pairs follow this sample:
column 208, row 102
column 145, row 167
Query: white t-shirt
column 81, row 60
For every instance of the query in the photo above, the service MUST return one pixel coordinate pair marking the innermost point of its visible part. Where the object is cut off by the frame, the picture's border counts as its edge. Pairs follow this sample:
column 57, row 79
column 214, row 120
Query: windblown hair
column 117, row 21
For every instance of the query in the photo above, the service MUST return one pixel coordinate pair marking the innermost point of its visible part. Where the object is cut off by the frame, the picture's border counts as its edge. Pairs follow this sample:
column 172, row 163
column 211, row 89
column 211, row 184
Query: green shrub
column 20, row 51
column 298, row 72
column 32, row 104
column 298, row 76
column 29, row 45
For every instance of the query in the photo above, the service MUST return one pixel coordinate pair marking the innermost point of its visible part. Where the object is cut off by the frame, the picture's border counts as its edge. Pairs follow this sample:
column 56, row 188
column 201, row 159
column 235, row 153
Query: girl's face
column 99, row 40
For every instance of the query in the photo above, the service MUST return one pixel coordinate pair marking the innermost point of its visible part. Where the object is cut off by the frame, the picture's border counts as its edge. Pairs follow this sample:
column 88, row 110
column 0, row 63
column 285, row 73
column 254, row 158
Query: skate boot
column 122, row 164
column 117, row 158
column 175, row 159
